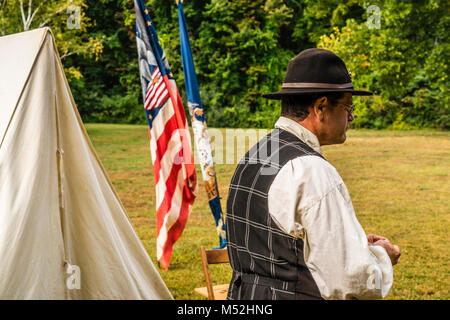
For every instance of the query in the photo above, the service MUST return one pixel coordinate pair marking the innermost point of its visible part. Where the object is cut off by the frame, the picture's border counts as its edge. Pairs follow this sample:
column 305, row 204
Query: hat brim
column 301, row 91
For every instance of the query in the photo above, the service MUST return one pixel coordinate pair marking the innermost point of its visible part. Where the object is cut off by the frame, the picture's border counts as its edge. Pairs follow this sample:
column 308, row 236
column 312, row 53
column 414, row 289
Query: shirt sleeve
column 309, row 200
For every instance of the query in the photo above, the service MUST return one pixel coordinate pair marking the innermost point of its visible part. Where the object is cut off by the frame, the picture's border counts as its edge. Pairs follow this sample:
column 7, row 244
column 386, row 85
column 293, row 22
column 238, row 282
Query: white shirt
column 309, row 200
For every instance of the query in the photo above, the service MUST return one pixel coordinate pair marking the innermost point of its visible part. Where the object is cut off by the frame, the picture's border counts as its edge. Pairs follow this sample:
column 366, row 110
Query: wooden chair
column 218, row 292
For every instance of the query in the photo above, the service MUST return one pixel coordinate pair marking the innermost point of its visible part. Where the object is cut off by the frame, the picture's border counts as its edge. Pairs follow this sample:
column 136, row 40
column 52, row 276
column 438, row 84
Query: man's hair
column 297, row 106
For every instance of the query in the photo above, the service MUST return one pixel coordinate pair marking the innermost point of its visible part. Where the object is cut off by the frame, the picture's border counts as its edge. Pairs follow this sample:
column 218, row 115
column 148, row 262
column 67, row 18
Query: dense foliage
column 241, row 49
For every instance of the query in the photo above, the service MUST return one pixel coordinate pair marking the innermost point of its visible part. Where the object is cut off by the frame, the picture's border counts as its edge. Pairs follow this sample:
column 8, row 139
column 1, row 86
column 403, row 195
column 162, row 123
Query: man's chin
column 344, row 135
column 342, row 140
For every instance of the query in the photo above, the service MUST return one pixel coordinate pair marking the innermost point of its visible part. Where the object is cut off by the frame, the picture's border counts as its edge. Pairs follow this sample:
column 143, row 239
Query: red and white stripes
column 174, row 171
column 157, row 92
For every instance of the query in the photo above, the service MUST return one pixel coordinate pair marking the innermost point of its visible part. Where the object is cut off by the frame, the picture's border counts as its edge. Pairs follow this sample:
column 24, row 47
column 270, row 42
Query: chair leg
column 207, row 273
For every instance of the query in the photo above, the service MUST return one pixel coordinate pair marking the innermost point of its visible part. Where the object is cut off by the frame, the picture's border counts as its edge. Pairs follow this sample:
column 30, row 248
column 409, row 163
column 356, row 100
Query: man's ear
column 318, row 107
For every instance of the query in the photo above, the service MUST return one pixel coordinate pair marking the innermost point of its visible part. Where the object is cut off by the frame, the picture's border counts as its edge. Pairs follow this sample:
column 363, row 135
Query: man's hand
column 371, row 238
column 392, row 250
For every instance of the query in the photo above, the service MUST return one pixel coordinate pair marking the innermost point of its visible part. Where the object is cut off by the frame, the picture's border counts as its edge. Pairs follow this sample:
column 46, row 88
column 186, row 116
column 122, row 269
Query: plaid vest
column 268, row 264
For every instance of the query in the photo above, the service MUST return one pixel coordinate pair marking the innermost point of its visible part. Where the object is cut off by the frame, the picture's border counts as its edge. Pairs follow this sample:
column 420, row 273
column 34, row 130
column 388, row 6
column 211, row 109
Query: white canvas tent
column 64, row 233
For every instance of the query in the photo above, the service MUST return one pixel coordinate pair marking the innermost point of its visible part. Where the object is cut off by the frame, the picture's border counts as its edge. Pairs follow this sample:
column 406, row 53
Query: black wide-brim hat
column 316, row 71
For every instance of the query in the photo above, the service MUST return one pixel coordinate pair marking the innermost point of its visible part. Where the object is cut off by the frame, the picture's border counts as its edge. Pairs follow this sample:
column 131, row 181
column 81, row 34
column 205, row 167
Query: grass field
column 398, row 180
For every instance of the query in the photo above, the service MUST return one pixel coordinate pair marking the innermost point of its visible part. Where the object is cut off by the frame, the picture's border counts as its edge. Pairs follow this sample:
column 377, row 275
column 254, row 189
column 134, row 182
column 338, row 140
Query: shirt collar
column 300, row 132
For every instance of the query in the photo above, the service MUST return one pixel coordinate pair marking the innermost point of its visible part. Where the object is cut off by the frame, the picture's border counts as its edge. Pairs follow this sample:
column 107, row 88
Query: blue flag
column 201, row 137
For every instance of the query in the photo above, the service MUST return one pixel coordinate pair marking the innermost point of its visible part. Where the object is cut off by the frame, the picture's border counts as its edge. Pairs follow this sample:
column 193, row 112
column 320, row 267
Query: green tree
column 110, row 88
column 66, row 19
column 237, row 57
column 241, row 49
column 404, row 61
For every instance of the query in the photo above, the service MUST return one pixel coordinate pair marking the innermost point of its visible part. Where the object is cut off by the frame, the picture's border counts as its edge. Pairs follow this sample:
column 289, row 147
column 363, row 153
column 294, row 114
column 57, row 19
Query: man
column 291, row 229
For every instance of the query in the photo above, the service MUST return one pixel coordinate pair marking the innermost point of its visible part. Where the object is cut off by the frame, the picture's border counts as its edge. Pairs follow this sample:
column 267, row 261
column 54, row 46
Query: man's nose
column 351, row 117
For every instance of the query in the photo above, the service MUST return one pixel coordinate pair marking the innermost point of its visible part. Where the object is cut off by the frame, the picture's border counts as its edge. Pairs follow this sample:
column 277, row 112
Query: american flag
column 170, row 143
